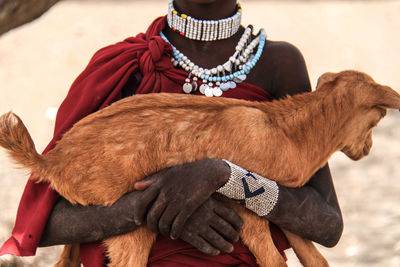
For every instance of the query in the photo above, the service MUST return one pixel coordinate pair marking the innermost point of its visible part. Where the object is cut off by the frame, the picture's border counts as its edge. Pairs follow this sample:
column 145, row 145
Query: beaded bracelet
column 259, row 193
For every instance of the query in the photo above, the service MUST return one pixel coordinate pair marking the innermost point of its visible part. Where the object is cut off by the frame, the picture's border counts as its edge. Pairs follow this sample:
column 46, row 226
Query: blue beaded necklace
column 216, row 80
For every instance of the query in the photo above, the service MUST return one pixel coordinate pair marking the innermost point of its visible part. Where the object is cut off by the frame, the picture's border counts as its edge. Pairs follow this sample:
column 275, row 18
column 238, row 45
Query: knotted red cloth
column 146, row 56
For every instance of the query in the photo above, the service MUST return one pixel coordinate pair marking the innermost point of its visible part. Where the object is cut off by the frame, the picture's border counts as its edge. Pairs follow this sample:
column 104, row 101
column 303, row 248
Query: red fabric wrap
column 99, row 85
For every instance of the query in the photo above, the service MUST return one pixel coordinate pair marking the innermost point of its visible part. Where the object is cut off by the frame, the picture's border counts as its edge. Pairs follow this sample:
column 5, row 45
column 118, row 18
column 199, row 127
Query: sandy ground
column 39, row 61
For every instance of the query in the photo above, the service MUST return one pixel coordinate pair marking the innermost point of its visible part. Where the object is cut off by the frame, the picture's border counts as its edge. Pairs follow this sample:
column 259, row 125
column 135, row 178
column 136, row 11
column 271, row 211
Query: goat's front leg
column 306, row 251
column 256, row 235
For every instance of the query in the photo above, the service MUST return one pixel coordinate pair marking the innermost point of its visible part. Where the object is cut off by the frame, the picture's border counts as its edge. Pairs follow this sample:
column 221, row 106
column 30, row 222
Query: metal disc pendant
column 217, row 91
column 187, row 88
column 203, row 88
column 208, row 91
column 194, row 86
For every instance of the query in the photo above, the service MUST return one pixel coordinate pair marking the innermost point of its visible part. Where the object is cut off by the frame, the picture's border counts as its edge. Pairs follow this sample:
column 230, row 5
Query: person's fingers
column 142, row 185
column 229, row 215
column 145, row 183
column 199, row 243
column 141, row 204
column 179, row 223
column 155, row 212
column 166, row 220
column 149, row 180
column 217, row 241
column 224, row 228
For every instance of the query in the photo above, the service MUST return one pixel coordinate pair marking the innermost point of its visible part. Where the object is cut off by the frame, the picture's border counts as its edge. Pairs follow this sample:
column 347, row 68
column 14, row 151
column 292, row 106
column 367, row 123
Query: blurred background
column 39, row 61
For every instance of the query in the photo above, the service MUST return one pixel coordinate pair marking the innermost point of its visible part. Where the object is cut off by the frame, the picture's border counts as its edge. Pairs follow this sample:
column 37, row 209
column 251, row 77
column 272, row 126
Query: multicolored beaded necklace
column 203, row 30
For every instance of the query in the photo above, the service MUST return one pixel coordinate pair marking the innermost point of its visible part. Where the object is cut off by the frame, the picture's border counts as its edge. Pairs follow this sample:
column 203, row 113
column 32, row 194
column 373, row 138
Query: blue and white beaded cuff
column 260, row 194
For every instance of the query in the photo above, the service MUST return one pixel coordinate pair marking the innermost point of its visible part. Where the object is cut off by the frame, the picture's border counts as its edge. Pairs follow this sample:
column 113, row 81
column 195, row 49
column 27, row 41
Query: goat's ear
column 326, row 78
column 386, row 97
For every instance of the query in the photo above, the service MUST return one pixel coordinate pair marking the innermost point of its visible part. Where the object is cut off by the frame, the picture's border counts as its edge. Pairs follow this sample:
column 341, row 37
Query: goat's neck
column 315, row 124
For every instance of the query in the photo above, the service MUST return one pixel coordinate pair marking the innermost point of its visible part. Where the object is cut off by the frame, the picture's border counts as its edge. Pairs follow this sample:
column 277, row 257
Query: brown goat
column 143, row 134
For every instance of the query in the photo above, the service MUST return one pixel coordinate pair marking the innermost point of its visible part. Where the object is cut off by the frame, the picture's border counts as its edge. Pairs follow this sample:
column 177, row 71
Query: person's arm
column 68, row 224
column 311, row 211
column 305, row 211
column 212, row 228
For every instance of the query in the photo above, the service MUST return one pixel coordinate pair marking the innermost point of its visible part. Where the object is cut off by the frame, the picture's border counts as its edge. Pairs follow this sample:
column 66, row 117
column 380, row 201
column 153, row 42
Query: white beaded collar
column 203, row 30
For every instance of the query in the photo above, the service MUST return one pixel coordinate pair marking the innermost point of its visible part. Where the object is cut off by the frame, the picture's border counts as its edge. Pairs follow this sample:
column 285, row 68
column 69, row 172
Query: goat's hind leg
column 69, row 256
column 131, row 249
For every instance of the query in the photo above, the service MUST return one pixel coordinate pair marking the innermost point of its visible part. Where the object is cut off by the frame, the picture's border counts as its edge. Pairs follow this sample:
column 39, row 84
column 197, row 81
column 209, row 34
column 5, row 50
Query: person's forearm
column 69, row 223
column 80, row 224
column 304, row 212
column 311, row 211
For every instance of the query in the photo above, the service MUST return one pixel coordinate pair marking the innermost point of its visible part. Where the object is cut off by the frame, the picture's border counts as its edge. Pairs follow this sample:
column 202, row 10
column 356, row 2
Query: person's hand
column 212, row 228
column 175, row 193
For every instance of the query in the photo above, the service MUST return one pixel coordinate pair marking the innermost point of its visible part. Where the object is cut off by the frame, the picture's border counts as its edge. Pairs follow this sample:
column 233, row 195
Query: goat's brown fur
column 104, row 154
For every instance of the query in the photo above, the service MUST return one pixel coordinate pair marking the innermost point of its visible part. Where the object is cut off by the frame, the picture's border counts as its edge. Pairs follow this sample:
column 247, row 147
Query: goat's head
column 366, row 104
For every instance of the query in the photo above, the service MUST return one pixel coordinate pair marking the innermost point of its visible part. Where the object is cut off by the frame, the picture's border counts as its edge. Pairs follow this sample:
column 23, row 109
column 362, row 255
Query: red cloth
column 100, row 84
column 172, row 253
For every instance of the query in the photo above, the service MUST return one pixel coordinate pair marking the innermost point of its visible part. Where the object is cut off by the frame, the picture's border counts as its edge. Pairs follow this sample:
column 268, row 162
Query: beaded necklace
column 203, row 30
column 224, row 76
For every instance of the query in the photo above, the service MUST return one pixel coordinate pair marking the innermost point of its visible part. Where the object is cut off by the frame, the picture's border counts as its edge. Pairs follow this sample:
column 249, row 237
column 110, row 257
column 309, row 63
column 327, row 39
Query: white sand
column 39, row 61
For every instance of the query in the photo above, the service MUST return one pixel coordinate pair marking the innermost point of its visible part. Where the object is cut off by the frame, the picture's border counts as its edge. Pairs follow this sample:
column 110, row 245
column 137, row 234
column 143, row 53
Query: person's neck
column 207, row 11
column 202, row 52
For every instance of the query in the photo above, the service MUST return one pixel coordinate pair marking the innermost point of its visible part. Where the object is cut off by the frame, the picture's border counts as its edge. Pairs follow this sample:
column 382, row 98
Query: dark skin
column 178, row 201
